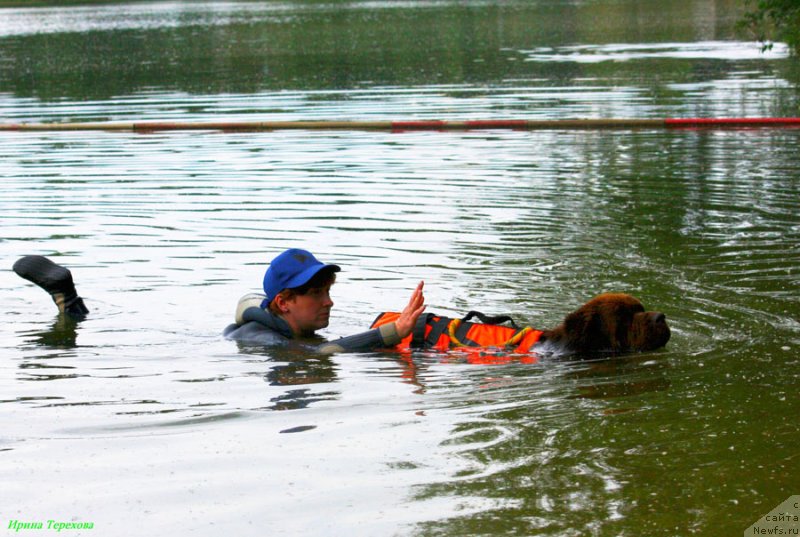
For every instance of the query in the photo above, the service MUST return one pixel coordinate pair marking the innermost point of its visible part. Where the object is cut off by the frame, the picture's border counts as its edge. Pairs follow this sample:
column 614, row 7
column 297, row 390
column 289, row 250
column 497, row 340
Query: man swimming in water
column 295, row 304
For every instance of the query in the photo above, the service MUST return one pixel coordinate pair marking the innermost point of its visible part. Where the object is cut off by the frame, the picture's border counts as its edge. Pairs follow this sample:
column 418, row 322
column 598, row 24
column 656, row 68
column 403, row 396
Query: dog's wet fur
column 611, row 322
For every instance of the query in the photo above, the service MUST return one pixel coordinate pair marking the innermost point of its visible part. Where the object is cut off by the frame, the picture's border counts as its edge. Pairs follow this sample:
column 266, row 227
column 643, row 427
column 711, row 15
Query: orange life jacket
column 444, row 333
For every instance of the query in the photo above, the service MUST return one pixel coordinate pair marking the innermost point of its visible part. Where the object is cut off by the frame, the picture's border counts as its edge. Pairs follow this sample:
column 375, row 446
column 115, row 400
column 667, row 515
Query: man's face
column 309, row 312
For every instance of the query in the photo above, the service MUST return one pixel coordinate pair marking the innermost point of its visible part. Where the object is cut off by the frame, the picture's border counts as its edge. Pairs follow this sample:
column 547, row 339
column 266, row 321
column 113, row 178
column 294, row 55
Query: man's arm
column 384, row 336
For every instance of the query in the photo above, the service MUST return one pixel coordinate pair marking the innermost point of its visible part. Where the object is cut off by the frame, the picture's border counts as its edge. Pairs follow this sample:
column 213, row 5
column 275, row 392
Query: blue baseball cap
column 292, row 268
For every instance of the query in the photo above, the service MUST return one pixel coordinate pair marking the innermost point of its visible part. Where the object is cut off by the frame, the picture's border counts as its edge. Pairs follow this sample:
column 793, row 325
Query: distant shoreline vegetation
column 76, row 3
column 46, row 3
column 767, row 21
column 64, row 3
column 774, row 20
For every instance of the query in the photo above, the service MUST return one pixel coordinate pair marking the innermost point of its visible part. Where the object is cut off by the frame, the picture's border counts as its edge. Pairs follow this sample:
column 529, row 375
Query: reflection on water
column 164, row 231
column 62, row 334
column 304, row 371
column 709, row 50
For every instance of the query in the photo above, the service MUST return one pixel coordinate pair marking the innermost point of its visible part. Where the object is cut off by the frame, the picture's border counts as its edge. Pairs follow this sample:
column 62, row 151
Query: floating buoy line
column 411, row 125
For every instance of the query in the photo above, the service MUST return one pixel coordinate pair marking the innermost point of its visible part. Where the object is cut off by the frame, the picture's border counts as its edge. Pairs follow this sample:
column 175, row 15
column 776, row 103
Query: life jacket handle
column 490, row 319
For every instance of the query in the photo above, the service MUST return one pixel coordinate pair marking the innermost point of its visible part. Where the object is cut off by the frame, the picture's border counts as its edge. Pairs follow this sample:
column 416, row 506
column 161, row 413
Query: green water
column 142, row 418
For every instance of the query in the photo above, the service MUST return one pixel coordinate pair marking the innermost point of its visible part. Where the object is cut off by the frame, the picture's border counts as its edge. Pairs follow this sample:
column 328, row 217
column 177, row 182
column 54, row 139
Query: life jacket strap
column 519, row 336
column 418, row 333
column 432, row 331
column 453, row 326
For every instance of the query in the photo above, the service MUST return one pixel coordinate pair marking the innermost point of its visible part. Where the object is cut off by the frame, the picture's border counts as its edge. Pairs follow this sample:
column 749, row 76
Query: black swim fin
column 54, row 279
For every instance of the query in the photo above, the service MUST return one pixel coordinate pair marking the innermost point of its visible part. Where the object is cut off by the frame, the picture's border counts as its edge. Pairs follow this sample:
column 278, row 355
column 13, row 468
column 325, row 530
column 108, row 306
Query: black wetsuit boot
column 54, row 279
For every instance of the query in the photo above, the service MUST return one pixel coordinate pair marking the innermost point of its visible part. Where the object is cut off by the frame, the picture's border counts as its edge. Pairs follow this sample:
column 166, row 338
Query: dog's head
column 614, row 322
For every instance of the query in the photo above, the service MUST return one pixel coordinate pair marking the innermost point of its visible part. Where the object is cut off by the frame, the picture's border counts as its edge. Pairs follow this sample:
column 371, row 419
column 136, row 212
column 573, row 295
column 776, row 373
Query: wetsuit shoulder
column 255, row 325
column 255, row 332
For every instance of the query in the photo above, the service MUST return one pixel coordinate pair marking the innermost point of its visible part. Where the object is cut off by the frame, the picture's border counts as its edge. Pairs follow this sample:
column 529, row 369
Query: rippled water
column 143, row 418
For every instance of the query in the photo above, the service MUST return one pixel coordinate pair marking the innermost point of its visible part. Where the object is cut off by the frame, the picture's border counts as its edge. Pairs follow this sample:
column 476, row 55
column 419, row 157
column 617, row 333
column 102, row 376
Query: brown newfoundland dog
column 612, row 322
column 608, row 323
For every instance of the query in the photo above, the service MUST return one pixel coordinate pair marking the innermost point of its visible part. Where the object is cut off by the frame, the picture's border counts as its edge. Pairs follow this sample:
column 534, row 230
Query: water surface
column 142, row 415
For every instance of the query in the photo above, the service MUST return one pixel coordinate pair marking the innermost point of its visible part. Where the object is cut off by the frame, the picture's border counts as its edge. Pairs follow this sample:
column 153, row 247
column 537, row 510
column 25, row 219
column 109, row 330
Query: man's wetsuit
column 260, row 326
